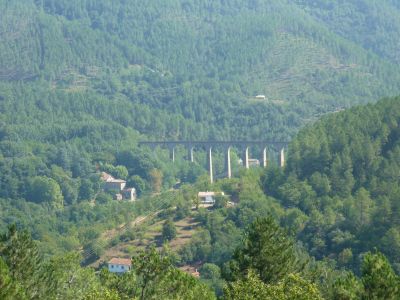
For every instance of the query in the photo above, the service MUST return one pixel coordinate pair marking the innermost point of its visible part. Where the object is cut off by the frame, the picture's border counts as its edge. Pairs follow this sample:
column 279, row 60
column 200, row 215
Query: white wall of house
column 115, row 268
column 114, row 186
column 207, row 200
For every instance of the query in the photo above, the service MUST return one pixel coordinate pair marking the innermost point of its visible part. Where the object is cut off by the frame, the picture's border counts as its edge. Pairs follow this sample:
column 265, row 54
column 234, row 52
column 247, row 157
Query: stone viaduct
column 243, row 146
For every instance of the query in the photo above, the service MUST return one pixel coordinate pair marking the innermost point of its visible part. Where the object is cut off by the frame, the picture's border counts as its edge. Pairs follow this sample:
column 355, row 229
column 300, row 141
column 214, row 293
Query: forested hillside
column 343, row 173
column 337, row 199
column 203, row 62
column 82, row 81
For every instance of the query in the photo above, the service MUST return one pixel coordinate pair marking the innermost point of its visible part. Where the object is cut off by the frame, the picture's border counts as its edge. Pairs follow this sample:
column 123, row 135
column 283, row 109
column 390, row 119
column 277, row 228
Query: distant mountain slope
column 205, row 61
column 373, row 25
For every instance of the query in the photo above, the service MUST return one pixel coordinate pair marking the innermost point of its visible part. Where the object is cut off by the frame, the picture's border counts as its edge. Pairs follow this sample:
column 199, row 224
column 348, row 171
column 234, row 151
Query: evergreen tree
column 378, row 278
column 168, row 230
column 291, row 287
column 26, row 270
column 267, row 250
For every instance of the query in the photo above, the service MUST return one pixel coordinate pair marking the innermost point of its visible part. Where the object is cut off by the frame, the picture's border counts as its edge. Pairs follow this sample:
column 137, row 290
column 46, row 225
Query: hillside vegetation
column 343, row 173
column 336, row 201
column 200, row 63
column 82, row 81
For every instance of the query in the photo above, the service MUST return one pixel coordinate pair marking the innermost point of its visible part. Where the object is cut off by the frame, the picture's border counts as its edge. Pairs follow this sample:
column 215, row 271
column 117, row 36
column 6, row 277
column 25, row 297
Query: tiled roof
column 117, row 181
column 106, row 177
column 120, row 261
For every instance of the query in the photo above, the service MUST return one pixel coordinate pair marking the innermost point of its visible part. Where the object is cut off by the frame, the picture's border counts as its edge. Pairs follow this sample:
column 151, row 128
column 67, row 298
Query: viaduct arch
column 243, row 146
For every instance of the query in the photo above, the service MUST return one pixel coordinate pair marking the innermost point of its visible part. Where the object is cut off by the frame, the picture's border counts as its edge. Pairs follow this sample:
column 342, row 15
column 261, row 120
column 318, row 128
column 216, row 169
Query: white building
column 208, row 197
column 129, row 194
column 112, row 184
column 253, row 162
column 119, row 265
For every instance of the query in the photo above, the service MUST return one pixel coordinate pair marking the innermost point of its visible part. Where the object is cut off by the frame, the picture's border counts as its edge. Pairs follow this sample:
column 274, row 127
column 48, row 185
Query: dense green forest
column 324, row 227
column 82, row 82
column 338, row 196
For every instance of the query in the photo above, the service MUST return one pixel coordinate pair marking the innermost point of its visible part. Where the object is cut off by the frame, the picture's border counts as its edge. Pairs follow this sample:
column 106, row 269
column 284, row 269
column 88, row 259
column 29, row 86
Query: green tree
column 7, row 291
column 391, row 242
column 168, row 230
column 158, row 279
column 86, row 191
column 320, row 183
column 290, row 287
column 47, row 190
column 267, row 250
column 104, row 198
column 364, row 207
column 182, row 210
column 71, row 280
column 347, row 287
column 121, row 172
column 138, row 183
column 156, row 178
column 210, row 271
column 378, row 278
column 27, row 273
column 220, row 201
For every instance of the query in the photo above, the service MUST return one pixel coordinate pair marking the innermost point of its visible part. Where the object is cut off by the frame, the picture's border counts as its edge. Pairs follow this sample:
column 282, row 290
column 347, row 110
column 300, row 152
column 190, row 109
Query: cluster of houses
column 111, row 184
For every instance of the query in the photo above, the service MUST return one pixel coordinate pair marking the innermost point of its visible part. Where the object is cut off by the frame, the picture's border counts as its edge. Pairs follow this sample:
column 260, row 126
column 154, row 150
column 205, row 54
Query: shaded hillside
column 343, row 174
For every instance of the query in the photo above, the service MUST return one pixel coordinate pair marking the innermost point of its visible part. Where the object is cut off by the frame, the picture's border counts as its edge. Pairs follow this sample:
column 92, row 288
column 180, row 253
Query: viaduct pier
column 226, row 146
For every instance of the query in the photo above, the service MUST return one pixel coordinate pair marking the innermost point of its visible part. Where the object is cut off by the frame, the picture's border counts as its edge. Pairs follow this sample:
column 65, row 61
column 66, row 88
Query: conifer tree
column 267, row 250
column 378, row 278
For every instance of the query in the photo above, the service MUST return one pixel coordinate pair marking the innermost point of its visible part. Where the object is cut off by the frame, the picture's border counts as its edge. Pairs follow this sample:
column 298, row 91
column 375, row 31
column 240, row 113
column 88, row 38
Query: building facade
column 119, row 265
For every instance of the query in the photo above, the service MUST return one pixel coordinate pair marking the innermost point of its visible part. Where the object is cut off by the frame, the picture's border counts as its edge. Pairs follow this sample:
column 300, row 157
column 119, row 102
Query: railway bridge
column 208, row 146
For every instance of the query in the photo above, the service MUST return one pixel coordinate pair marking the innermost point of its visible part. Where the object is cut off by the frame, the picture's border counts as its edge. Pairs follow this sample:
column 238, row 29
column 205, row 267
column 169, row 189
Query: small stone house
column 119, row 185
column 110, row 183
column 119, row 265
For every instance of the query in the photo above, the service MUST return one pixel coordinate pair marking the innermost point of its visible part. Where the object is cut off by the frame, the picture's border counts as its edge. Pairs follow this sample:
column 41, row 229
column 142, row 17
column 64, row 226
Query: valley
column 275, row 171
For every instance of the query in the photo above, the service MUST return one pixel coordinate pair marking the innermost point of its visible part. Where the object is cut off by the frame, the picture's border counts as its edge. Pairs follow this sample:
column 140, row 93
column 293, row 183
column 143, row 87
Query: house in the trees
column 195, row 274
column 208, row 197
column 261, row 97
column 112, row 184
column 191, row 270
column 106, row 177
column 119, row 265
column 253, row 162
